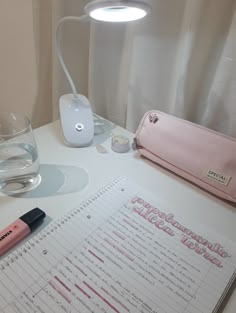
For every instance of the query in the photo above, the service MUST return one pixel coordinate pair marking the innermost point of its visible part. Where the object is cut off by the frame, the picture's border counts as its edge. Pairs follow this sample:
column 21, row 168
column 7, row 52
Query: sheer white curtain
column 181, row 59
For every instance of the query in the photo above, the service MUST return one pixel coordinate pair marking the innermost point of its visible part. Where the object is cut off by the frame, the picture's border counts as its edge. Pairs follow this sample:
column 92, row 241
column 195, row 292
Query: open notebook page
column 118, row 251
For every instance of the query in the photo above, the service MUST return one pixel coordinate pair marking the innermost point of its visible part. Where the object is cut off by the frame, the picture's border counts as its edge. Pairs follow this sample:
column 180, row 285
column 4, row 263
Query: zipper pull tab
column 135, row 144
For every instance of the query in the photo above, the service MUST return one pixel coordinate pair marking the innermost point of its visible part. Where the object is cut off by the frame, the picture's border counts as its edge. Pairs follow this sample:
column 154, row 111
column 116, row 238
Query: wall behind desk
column 31, row 79
column 25, row 58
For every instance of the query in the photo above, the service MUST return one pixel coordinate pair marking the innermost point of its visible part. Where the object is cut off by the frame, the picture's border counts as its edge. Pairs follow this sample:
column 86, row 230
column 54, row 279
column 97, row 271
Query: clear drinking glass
column 19, row 161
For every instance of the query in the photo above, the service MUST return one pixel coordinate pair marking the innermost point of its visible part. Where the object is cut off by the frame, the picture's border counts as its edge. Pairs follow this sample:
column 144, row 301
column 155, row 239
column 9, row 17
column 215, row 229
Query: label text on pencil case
column 218, row 177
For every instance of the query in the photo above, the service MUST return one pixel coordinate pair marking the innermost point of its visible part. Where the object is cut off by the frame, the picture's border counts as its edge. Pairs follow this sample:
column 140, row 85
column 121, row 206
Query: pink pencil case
column 198, row 154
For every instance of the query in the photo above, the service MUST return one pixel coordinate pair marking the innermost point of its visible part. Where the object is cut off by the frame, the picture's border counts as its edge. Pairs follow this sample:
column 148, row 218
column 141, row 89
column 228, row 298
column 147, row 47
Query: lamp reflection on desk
column 75, row 110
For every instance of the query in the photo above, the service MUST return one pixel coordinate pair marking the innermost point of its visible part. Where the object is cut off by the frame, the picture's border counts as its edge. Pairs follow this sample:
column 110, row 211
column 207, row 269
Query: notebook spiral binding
column 56, row 224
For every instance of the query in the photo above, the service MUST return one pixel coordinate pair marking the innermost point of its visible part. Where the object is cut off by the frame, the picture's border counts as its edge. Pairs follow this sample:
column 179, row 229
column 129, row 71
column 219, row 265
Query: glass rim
column 19, row 115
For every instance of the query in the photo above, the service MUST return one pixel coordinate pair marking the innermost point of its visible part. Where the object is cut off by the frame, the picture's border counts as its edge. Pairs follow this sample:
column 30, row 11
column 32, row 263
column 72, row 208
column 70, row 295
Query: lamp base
column 76, row 120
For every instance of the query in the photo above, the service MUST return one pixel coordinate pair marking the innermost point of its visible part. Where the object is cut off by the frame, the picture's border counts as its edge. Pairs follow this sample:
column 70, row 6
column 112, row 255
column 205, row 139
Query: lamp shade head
column 117, row 10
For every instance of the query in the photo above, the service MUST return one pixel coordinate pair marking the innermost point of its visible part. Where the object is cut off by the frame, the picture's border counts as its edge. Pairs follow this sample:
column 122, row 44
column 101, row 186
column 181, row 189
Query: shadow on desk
column 227, row 298
column 57, row 180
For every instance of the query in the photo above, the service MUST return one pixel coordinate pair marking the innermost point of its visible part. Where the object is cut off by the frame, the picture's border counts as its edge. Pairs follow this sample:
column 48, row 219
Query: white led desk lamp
column 75, row 110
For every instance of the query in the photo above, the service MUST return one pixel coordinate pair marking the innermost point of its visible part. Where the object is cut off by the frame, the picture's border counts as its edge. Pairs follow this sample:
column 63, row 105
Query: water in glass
column 19, row 161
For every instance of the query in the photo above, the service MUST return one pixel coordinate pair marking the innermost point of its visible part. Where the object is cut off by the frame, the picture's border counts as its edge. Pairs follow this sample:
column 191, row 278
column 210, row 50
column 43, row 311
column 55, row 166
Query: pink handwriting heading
column 166, row 223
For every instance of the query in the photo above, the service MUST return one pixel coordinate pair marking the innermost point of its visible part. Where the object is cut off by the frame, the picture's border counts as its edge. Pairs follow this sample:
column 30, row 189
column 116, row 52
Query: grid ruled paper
column 117, row 252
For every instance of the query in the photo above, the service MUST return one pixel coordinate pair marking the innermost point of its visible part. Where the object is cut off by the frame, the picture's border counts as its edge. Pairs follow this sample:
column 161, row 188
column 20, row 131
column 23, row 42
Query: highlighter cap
column 33, row 218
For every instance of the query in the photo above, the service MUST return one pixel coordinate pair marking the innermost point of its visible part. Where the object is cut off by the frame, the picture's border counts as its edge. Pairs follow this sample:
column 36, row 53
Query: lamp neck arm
column 83, row 18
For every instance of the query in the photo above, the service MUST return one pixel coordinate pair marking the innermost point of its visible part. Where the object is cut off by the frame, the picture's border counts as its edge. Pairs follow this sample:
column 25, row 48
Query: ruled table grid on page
column 117, row 251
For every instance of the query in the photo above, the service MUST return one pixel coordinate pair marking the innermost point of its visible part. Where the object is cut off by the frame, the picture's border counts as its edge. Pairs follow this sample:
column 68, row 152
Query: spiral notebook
column 121, row 250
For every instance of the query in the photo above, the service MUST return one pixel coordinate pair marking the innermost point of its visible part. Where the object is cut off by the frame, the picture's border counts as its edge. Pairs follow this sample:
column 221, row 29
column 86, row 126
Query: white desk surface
column 192, row 203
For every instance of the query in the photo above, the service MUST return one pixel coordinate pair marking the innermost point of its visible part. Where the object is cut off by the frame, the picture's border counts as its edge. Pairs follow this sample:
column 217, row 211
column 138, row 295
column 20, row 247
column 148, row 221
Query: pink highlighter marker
column 19, row 229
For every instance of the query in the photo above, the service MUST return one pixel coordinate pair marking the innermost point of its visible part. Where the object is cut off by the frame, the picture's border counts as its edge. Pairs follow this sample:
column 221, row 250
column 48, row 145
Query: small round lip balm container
column 120, row 144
